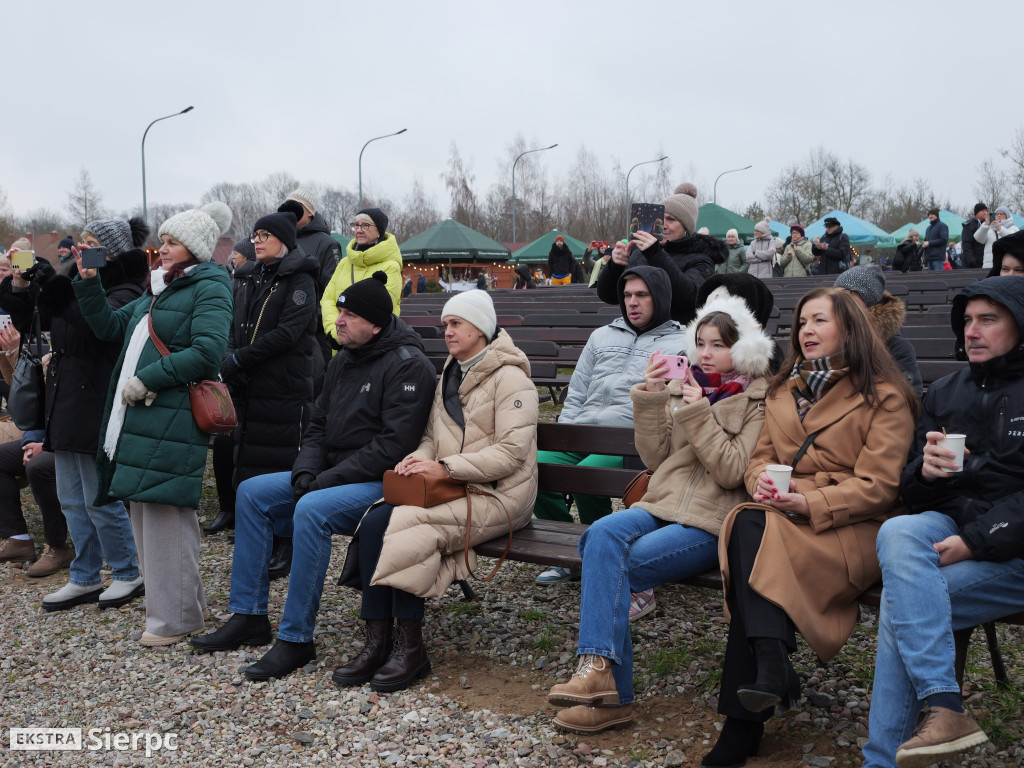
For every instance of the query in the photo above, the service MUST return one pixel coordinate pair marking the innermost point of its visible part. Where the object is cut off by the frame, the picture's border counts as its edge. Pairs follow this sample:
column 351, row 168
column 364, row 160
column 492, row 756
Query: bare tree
column 42, row 220
column 85, row 204
column 894, row 206
column 459, row 179
column 993, row 185
column 417, row 213
column 338, row 207
column 8, row 226
column 848, row 186
column 276, row 187
column 1015, row 154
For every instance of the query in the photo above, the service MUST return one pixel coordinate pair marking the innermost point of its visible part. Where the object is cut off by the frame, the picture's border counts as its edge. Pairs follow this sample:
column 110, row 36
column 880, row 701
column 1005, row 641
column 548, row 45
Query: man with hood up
column 957, row 562
column 613, row 360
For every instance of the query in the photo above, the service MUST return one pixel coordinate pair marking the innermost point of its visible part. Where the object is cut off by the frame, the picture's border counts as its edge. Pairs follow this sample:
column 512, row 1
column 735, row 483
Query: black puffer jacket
column 688, row 261
column 372, row 410
column 986, row 403
column 315, row 239
column 833, row 252
column 908, row 257
column 81, row 366
column 560, row 260
column 269, row 361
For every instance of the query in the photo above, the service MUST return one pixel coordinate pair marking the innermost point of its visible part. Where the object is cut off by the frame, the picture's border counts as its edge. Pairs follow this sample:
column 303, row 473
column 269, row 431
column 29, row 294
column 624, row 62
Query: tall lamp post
column 645, row 162
column 714, row 192
column 376, row 138
column 165, row 117
column 539, row 149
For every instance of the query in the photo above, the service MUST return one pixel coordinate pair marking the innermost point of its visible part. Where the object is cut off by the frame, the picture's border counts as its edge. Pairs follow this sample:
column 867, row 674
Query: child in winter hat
column 199, row 229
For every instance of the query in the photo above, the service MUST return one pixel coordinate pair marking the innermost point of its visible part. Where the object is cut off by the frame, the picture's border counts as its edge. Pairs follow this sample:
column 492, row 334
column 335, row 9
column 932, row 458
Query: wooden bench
column 554, row 543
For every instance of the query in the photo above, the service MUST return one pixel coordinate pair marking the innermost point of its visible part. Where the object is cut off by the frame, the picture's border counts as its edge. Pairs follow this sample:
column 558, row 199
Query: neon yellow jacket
column 359, row 265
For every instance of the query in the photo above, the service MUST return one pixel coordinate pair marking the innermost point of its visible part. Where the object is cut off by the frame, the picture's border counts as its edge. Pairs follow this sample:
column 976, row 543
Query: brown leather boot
column 53, row 559
column 408, row 660
column 592, row 684
column 17, row 551
column 594, row 719
column 371, row 658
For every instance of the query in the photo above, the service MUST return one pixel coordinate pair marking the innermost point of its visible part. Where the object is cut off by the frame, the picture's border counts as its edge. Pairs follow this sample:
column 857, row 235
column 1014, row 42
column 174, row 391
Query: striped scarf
column 811, row 379
column 718, row 386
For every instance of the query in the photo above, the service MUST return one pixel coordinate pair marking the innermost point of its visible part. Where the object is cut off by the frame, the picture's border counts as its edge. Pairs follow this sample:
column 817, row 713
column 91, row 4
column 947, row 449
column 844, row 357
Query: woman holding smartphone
column 842, row 414
column 697, row 434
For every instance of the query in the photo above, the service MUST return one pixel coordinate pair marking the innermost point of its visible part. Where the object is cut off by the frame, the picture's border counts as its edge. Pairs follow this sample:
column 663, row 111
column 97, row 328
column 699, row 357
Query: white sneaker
column 71, row 595
column 556, row 575
column 122, row 592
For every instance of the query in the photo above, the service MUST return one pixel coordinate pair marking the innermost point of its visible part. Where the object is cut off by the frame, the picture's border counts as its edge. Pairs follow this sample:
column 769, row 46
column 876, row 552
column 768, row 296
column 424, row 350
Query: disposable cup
column 955, row 443
column 780, row 475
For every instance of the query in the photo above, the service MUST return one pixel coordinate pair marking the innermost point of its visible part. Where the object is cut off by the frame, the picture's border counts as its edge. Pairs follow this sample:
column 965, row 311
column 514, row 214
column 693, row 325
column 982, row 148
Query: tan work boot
column 594, row 719
column 54, row 559
column 940, row 734
column 591, row 684
column 17, row 551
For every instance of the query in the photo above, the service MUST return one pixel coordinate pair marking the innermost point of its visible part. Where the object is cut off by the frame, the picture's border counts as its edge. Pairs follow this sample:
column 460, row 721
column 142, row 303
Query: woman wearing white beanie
column 153, row 454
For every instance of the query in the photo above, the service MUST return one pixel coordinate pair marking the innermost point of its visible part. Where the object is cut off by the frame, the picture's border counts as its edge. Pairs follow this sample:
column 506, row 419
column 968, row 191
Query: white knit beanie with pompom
column 199, row 229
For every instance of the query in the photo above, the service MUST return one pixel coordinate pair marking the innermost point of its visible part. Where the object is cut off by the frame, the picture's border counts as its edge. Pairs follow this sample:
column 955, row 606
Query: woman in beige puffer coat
column 482, row 430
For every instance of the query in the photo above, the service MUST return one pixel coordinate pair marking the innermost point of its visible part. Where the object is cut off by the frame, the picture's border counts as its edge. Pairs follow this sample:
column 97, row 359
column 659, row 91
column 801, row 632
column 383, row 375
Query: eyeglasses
column 260, row 235
column 362, row 225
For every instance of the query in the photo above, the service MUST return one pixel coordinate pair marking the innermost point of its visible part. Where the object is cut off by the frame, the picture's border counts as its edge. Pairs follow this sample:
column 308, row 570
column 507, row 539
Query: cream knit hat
column 199, row 229
column 474, row 307
column 306, row 197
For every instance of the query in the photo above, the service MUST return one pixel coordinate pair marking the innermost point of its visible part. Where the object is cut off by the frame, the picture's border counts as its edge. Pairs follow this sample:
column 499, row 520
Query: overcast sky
column 909, row 89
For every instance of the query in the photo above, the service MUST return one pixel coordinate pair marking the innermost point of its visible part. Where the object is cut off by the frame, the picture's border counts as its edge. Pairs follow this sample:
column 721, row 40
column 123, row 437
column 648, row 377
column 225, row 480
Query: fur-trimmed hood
column 752, row 352
column 887, row 316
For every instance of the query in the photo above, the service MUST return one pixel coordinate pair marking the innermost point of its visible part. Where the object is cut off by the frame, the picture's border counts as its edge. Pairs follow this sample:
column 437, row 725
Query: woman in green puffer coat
column 152, row 453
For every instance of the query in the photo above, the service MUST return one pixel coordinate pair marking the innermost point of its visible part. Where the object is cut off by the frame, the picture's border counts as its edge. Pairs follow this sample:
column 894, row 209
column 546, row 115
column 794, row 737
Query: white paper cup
column 780, row 475
column 954, row 443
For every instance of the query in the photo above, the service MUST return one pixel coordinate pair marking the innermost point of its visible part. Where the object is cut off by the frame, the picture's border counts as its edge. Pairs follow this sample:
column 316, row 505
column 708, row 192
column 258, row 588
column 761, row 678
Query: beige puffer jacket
column 422, row 550
column 699, row 452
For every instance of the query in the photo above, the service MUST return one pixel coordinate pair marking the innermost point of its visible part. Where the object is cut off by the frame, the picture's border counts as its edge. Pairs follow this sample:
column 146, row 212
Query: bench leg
column 467, row 591
column 961, row 641
column 997, row 657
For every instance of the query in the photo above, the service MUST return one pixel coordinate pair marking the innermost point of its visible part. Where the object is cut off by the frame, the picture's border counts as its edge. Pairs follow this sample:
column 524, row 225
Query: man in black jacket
column 935, row 239
column 370, row 415
column 958, row 562
column 832, row 251
column 973, row 252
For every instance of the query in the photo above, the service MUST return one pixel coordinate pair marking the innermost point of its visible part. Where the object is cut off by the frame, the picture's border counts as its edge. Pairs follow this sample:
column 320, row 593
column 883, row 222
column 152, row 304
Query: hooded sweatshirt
column 616, row 356
column 984, row 401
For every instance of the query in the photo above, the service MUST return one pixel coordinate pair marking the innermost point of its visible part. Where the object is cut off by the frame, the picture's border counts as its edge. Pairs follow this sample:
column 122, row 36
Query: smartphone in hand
column 678, row 366
column 94, row 258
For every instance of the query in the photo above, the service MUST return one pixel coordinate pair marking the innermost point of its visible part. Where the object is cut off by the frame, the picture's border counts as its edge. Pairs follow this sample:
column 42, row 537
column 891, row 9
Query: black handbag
column 26, row 401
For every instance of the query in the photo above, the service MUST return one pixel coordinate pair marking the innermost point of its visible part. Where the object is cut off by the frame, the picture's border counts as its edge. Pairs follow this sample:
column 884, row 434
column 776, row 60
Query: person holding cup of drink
column 841, row 414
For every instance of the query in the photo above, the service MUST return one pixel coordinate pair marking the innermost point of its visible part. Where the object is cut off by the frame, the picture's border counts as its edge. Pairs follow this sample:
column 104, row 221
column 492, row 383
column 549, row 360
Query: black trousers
column 42, row 479
column 224, row 469
column 752, row 617
column 382, row 603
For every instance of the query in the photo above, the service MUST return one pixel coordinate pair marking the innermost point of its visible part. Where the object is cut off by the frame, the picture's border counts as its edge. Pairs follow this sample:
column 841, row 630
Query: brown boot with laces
column 592, row 684
column 17, row 551
column 587, row 720
column 54, row 559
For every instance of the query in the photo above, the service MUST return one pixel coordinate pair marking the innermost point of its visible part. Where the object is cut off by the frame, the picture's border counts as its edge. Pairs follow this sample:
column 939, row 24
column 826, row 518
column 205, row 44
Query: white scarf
column 140, row 335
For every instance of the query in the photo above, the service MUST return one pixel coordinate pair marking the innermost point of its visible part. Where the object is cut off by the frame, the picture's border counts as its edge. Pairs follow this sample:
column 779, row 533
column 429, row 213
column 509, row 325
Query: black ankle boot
column 280, row 558
column 738, row 740
column 283, row 659
column 240, row 629
column 371, row 658
column 777, row 682
column 225, row 518
column 407, row 661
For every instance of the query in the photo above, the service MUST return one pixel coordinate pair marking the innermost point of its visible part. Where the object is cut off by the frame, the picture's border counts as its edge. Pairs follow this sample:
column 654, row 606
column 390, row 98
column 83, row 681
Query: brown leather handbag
column 211, row 403
column 636, row 489
column 422, row 490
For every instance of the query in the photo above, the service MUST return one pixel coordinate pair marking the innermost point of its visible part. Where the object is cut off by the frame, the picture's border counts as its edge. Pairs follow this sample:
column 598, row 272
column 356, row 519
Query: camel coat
column 850, row 476
column 497, row 453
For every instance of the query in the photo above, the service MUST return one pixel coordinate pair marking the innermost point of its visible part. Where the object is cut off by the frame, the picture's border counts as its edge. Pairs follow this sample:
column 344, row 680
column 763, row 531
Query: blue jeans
column 631, row 551
column 935, row 265
column 264, row 506
column 922, row 604
column 99, row 533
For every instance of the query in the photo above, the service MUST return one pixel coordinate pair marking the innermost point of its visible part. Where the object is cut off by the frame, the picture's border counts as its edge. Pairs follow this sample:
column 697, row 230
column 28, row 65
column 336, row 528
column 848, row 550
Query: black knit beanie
column 246, row 248
column 281, row 226
column 380, row 219
column 369, row 299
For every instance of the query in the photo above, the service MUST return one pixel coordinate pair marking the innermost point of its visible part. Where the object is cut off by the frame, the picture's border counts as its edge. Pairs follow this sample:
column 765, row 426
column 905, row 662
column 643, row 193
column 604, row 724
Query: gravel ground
column 483, row 705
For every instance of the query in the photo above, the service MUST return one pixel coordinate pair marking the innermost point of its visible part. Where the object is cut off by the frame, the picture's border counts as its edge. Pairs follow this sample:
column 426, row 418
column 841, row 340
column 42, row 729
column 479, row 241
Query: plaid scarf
column 811, row 379
column 718, row 386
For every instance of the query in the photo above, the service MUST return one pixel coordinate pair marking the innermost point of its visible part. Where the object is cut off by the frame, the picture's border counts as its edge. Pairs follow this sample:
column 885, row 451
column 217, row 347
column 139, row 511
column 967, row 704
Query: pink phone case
column 678, row 365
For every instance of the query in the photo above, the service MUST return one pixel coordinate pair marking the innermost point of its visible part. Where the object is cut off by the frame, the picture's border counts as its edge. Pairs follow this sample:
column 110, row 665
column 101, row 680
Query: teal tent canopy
column 778, row 229
column 720, row 220
column 859, row 231
column 537, row 251
column 451, row 241
column 951, row 220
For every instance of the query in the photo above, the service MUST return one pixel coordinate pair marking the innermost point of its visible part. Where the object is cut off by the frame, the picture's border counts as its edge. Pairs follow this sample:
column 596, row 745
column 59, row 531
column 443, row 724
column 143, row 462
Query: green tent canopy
column 951, row 220
column 720, row 220
column 451, row 241
column 859, row 231
column 537, row 251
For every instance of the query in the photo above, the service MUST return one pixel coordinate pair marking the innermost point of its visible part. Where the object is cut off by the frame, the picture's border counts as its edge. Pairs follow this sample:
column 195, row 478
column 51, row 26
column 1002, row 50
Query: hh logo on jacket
column 365, row 387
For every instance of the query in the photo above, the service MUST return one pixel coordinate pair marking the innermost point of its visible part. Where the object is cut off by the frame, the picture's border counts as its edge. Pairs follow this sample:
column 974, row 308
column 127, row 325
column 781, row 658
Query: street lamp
column 376, row 138
column 645, row 162
column 165, row 117
column 539, row 149
column 714, row 192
